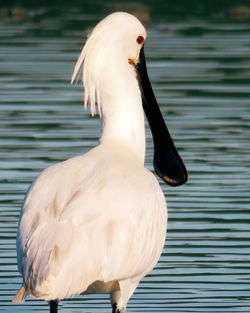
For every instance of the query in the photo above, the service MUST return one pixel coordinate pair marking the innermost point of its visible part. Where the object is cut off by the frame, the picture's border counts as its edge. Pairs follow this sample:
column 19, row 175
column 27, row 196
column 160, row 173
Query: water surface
column 200, row 72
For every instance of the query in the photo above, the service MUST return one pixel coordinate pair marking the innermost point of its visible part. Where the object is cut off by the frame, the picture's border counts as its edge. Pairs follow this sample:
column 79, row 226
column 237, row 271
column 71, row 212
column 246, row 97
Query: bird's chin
column 132, row 62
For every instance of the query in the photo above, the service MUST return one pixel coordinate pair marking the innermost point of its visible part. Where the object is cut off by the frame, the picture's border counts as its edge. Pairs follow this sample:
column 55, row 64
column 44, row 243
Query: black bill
column 167, row 161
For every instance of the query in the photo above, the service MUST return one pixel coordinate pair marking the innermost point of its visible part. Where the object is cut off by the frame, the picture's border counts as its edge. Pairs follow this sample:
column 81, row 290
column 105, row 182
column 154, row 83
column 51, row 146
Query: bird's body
column 103, row 220
column 96, row 223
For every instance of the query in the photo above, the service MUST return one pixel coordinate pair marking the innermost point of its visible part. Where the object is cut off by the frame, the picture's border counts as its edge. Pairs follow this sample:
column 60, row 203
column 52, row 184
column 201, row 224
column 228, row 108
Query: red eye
column 140, row 40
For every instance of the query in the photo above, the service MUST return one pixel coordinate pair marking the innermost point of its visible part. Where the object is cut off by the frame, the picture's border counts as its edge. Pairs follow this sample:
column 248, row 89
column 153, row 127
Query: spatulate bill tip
column 173, row 178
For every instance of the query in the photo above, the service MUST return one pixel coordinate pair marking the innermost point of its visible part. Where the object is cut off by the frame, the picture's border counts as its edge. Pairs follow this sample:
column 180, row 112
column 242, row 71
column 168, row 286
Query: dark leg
column 115, row 309
column 53, row 306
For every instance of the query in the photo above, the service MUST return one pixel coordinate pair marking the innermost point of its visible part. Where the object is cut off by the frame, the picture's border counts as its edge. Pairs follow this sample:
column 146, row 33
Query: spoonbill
column 96, row 223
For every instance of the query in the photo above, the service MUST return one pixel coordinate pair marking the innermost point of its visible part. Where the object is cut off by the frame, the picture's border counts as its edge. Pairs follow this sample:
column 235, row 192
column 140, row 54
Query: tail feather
column 20, row 296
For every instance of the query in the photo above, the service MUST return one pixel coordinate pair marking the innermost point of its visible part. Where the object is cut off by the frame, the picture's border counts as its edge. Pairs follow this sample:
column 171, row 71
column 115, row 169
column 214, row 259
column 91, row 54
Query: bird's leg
column 53, row 306
column 115, row 309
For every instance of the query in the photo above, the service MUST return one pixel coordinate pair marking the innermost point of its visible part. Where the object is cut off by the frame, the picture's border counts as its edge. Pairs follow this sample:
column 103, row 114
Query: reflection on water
column 201, row 74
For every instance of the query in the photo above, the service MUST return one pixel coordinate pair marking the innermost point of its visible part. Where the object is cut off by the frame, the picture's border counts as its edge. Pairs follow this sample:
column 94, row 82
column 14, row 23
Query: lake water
column 200, row 71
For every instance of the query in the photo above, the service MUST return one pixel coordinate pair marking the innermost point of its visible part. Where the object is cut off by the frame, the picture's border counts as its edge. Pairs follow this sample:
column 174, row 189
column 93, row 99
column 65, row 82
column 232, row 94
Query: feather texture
column 84, row 225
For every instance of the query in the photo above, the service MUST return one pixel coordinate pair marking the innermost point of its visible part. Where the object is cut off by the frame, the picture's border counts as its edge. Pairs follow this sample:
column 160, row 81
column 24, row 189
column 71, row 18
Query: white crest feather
column 91, row 61
column 88, row 82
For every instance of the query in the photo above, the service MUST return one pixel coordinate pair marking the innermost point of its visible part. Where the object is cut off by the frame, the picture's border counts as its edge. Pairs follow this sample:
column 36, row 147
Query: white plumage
column 103, row 218
column 96, row 223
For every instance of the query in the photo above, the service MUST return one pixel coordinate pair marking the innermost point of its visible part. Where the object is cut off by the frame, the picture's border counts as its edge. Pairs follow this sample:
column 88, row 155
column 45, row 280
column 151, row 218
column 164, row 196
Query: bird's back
column 97, row 217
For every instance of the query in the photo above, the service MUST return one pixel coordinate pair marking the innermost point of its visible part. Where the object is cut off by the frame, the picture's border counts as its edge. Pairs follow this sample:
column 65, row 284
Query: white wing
column 90, row 219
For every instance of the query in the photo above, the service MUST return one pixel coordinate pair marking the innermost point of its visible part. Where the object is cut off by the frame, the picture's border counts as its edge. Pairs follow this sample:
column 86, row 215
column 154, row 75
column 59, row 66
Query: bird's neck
column 123, row 117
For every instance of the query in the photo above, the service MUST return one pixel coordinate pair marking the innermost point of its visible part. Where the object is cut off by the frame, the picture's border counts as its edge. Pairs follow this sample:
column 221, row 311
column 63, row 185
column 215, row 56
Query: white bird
column 96, row 223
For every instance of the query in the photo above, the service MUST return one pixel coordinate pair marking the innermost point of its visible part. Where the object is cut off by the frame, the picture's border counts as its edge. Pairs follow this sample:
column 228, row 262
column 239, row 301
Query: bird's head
column 114, row 42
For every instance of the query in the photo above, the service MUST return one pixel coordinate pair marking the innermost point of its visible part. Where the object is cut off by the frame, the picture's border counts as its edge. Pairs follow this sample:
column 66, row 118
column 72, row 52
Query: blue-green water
column 200, row 71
